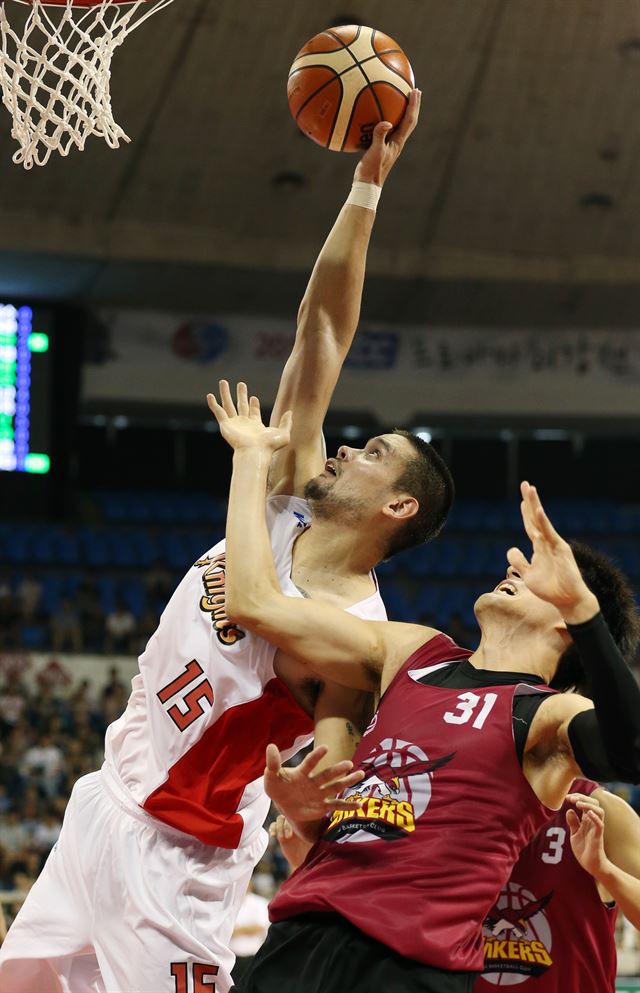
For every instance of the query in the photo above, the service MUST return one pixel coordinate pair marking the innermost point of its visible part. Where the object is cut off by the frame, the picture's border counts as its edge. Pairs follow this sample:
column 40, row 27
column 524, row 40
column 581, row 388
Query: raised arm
column 329, row 313
column 599, row 738
column 338, row 645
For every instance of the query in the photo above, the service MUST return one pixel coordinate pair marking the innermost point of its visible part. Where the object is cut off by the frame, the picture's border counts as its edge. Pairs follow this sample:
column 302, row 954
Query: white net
column 55, row 72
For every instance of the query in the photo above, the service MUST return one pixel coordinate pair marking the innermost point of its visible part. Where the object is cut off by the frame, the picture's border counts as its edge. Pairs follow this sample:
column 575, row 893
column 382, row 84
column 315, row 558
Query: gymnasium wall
column 394, row 371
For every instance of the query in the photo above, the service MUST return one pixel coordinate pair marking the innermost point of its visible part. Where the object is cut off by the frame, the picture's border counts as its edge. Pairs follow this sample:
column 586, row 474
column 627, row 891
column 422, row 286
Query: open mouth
column 330, row 467
column 507, row 587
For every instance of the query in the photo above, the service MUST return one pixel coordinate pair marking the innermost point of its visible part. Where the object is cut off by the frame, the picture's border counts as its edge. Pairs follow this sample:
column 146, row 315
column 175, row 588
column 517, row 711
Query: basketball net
column 55, row 75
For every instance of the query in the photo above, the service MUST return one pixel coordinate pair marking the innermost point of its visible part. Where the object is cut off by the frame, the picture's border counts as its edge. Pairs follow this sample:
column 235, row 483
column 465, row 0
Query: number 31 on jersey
column 471, row 705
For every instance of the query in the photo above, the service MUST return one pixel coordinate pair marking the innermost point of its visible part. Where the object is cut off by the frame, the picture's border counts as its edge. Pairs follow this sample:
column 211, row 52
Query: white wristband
column 365, row 195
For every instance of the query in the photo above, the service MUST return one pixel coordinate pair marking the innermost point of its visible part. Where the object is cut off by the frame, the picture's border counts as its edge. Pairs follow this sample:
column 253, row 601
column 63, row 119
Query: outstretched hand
column 387, row 144
column 552, row 574
column 587, row 833
column 303, row 794
column 241, row 423
column 294, row 848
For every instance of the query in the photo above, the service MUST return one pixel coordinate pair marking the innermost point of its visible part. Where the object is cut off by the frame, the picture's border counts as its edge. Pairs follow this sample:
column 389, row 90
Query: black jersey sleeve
column 606, row 741
column 589, row 749
column 525, row 709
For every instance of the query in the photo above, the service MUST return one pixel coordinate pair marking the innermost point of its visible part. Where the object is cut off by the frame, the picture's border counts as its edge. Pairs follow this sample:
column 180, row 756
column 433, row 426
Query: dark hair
column 618, row 607
column 426, row 477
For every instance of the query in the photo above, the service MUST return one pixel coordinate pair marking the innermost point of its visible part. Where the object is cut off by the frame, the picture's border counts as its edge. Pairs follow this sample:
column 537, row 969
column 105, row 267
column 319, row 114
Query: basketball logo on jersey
column 213, row 601
column 517, row 937
column 372, row 723
column 395, row 792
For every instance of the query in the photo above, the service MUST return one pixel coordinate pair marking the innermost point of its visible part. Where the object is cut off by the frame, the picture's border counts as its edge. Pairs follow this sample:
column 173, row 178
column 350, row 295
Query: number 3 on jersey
column 468, row 707
column 192, row 700
column 556, row 837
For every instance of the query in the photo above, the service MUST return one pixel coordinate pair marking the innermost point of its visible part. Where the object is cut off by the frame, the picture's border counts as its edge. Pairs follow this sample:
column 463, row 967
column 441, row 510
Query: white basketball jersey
column 190, row 746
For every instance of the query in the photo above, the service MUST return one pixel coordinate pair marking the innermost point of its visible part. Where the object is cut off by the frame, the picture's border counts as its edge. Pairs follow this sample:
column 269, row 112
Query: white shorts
column 127, row 905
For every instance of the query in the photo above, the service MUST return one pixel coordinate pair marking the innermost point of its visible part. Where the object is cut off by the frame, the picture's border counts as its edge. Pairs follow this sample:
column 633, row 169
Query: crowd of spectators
column 50, row 735
column 82, row 623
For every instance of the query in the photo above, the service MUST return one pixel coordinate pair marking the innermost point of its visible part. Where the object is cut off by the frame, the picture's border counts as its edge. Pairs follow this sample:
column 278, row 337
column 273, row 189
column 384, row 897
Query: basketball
column 344, row 81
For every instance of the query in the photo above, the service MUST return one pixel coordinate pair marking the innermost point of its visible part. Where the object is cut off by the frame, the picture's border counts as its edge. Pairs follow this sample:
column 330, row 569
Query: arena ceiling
column 525, row 167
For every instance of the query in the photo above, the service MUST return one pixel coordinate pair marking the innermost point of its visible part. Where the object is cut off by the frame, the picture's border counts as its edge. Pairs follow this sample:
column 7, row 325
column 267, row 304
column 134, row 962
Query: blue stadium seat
column 173, row 552
column 95, row 549
column 420, row 562
column 52, row 592
column 453, row 601
column 398, row 603
column 66, row 548
column 427, row 603
column 17, row 549
column 387, row 569
column 107, row 592
column 134, row 594
column 33, row 636
column 122, row 550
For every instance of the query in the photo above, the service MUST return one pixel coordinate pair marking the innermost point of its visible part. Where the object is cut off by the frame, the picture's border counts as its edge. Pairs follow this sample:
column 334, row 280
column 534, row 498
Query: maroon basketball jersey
column 444, row 811
column 549, row 931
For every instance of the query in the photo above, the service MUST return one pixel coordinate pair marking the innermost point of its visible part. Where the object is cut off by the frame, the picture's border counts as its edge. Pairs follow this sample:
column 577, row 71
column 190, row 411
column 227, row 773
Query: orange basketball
column 344, row 81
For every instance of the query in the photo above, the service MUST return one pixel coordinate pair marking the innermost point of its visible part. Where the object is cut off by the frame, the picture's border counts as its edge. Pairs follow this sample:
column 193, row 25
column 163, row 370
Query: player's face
column 512, row 603
column 362, row 479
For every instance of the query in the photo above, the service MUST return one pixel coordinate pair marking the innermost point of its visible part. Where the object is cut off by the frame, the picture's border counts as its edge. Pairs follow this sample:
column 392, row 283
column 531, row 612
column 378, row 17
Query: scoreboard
column 25, row 389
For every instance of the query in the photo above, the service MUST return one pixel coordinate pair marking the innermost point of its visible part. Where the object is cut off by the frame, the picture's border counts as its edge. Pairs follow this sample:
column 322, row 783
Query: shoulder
column 288, row 502
column 621, row 831
column 586, row 786
column 287, row 512
column 404, row 643
column 549, row 728
column 435, row 648
column 372, row 609
column 560, row 708
column 617, row 810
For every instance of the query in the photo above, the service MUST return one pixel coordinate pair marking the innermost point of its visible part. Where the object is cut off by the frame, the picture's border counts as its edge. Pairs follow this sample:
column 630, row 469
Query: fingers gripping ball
column 344, row 81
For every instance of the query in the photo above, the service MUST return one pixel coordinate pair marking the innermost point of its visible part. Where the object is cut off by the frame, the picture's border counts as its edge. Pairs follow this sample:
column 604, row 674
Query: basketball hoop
column 55, row 75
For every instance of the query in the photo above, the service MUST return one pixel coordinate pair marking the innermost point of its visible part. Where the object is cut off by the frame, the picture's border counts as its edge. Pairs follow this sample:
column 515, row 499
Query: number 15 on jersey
column 191, row 700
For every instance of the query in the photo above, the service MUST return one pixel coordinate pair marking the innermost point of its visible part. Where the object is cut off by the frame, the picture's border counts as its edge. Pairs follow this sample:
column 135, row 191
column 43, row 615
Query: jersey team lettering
column 213, row 601
column 395, row 792
column 517, row 937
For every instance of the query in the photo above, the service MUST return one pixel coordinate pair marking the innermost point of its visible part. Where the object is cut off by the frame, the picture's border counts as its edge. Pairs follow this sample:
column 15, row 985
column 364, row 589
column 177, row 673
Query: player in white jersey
column 141, row 891
column 203, row 774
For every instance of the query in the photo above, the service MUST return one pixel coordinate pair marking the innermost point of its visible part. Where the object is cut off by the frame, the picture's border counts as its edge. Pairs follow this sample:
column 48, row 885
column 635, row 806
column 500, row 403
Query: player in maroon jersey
column 552, row 927
column 467, row 757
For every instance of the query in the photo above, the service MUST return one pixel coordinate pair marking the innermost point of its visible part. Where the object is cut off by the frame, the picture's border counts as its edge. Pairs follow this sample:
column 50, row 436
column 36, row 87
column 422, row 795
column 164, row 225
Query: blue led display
column 17, row 345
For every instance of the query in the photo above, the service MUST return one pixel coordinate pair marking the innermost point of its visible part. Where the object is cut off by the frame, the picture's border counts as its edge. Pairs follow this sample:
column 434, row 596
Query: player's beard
column 327, row 505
